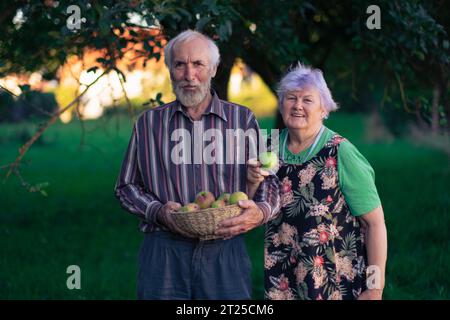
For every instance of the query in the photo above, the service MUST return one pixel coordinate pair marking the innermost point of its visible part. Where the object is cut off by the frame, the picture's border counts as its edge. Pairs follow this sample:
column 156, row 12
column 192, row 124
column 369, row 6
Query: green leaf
column 223, row 32
column 148, row 47
column 93, row 69
column 419, row 55
column 103, row 61
column 330, row 255
column 201, row 23
column 24, row 88
column 104, row 25
column 229, row 27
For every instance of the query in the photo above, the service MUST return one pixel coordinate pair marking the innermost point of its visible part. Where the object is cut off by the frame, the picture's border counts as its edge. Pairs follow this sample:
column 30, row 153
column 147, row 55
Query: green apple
column 190, row 207
column 237, row 196
column 225, row 197
column 218, row 204
column 269, row 160
column 204, row 199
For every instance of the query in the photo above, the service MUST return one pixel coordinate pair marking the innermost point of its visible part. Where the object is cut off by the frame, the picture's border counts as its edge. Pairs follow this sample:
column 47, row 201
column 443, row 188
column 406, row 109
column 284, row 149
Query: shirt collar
column 214, row 107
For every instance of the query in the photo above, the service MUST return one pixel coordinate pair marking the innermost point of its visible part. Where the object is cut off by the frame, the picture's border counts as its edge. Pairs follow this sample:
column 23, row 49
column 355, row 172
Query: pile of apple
column 205, row 200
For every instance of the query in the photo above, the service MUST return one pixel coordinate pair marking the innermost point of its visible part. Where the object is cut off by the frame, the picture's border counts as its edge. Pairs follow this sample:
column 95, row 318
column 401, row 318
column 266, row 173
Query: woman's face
column 302, row 109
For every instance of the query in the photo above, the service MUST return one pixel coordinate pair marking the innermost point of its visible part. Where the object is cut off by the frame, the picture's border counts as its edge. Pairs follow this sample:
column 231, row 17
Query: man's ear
column 213, row 71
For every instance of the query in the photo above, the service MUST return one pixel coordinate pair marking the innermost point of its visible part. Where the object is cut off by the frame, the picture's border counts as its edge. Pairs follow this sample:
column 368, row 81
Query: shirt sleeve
column 356, row 180
column 267, row 196
column 130, row 189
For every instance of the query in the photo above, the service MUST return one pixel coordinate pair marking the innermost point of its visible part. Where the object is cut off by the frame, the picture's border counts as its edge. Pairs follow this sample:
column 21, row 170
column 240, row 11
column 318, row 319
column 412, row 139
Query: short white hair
column 189, row 35
column 301, row 77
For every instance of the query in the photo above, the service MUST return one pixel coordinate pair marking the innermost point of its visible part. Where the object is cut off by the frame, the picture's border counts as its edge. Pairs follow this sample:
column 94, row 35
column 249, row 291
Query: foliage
column 367, row 69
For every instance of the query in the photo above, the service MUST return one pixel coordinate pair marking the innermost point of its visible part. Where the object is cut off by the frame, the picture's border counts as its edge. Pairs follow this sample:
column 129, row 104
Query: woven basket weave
column 202, row 223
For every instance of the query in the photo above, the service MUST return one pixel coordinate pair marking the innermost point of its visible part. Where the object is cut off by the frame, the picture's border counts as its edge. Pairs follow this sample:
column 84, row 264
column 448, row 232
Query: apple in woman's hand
column 269, row 160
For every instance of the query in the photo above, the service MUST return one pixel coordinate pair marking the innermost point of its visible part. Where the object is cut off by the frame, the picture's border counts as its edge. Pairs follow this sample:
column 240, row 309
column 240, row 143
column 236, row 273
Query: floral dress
column 315, row 248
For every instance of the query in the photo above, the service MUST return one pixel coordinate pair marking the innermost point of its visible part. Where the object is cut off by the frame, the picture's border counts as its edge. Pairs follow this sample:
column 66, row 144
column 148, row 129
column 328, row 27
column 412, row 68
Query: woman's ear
column 324, row 114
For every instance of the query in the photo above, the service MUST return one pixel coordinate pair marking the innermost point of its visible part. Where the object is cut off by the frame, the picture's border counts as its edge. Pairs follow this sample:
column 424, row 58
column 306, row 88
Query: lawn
column 81, row 223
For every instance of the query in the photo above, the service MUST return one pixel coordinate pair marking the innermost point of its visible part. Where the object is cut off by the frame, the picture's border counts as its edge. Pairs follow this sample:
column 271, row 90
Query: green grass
column 81, row 223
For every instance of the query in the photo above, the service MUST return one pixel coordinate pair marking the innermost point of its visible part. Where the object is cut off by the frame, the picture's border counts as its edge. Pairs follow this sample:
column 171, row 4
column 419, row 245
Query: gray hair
column 189, row 35
column 301, row 77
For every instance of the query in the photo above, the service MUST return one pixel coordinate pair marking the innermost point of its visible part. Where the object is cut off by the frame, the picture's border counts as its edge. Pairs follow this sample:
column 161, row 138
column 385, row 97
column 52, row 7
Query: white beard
column 191, row 99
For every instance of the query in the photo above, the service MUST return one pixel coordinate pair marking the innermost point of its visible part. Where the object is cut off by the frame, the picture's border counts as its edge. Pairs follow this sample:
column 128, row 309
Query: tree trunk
column 223, row 76
column 258, row 64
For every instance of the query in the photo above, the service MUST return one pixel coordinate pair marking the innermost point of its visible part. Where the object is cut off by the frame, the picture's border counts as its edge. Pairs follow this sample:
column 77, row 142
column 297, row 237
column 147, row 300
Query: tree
column 405, row 63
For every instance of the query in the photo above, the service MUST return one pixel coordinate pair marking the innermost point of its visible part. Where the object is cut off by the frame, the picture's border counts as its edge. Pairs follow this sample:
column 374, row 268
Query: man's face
column 191, row 72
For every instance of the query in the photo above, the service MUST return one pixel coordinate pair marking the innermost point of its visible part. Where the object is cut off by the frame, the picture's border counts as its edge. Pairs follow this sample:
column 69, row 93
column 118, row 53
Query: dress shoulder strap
column 334, row 141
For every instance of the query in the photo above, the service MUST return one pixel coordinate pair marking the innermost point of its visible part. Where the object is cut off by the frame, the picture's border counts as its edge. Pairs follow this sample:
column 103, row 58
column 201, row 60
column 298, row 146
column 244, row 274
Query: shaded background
column 80, row 91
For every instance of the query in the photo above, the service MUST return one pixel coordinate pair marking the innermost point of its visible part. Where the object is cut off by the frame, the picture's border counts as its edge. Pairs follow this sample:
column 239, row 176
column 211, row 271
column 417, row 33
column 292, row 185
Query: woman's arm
column 254, row 177
column 251, row 189
column 376, row 245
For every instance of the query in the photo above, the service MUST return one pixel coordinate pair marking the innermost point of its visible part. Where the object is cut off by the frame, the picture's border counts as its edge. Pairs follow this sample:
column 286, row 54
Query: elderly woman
column 329, row 239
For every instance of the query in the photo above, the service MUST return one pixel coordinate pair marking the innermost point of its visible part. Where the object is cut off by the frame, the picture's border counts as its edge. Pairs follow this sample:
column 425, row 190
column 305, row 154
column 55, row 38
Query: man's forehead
column 193, row 50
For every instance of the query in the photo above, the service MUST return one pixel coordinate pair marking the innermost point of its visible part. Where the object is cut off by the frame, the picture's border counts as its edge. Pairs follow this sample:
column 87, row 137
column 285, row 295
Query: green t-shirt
column 356, row 175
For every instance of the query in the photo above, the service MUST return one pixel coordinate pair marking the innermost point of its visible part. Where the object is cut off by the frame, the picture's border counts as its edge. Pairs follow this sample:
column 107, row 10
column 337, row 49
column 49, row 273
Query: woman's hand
column 254, row 176
column 254, row 173
column 371, row 294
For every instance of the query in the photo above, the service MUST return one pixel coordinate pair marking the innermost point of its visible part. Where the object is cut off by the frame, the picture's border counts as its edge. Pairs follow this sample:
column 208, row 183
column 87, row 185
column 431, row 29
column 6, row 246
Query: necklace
column 311, row 148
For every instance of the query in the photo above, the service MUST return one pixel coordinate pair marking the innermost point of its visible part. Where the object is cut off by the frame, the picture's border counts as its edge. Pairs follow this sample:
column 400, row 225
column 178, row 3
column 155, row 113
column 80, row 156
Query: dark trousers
column 172, row 267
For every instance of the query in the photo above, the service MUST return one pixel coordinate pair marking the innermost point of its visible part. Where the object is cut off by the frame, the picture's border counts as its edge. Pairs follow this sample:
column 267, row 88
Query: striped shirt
column 164, row 160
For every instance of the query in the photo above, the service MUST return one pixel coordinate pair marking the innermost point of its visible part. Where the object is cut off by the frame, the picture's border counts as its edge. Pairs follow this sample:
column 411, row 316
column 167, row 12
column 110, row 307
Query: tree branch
column 23, row 150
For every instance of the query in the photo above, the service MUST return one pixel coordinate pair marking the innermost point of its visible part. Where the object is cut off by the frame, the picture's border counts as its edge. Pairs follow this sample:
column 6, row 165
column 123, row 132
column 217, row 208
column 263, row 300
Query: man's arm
column 130, row 188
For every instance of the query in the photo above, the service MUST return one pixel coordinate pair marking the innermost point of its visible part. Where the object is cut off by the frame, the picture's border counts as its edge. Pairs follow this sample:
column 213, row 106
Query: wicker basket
column 202, row 223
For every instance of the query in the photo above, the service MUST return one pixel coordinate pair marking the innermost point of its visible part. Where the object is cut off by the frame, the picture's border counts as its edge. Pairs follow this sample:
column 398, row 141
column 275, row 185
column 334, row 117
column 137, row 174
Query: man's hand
column 371, row 294
column 250, row 218
column 165, row 217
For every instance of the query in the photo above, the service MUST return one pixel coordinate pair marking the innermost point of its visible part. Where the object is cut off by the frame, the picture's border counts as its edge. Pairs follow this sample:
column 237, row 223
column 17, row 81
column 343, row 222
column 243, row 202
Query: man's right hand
column 164, row 216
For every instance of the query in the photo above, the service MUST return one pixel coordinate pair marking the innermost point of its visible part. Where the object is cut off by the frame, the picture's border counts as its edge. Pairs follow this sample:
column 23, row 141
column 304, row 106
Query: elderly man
column 151, row 185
